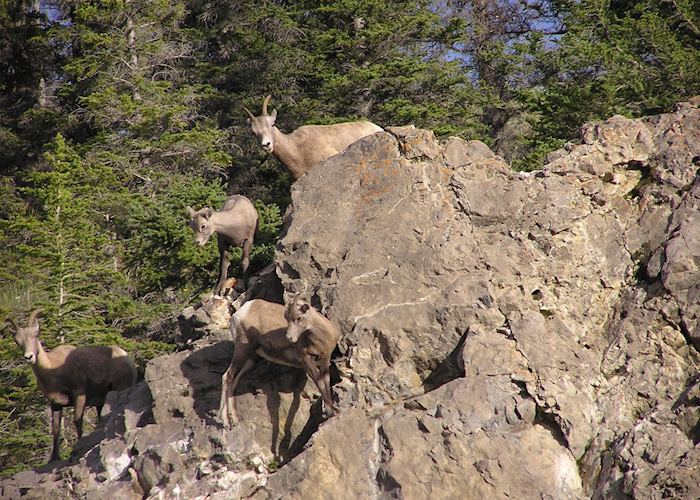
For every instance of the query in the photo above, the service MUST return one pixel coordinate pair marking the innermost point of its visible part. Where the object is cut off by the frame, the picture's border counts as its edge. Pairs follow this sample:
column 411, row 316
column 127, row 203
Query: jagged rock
column 415, row 143
column 544, row 272
column 343, row 448
column 505, row 335
column 211, row 316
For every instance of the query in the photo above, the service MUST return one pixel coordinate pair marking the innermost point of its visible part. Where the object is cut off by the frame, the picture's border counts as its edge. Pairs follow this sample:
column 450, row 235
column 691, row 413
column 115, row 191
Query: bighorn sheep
column 297, row 336
column 73, row 376
column 308, row 145
column 235, row 224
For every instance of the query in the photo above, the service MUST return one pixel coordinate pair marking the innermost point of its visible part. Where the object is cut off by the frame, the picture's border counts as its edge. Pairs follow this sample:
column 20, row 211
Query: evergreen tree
column 127, row 79
column 628, row 57
column 26, row 63
column 325, row 62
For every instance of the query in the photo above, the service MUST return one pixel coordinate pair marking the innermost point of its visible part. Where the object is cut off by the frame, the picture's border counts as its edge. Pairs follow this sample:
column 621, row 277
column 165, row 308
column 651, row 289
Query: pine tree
column 26, row 62
column 631, row 57
column 325, row 62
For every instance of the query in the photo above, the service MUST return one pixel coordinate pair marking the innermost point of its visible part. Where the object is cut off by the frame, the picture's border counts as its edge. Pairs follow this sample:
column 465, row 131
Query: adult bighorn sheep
column 73, row 376
column 235, row 224
column 308, row 145
column 296, row 336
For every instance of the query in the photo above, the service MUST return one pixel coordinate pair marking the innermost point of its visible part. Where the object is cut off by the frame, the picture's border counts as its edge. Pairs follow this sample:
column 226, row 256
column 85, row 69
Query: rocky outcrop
column 505, row 335
column 568, row 296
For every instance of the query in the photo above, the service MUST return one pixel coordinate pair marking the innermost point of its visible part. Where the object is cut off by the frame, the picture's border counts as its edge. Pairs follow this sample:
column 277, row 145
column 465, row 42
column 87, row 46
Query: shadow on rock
column 448, row 369
column 274, row 403
column 277, row 405
column 204, row 368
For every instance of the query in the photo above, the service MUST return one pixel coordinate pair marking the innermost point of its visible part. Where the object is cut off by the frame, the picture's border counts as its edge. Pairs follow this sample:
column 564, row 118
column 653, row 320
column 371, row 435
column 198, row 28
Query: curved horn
column 265, row 101
column 32, row 321
column 248, row 111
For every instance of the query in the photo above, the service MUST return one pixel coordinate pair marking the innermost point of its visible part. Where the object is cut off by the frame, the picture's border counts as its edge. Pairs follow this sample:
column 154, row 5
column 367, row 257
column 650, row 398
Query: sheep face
column 27, row 339
column 201, row 224
column 297, row 319
column 262, row 128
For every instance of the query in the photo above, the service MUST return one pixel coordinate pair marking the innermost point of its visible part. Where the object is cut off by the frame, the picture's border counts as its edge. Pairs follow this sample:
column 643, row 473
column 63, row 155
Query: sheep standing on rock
column 73, row 376
column 235, row 224
column 262, row 329
column 308, row 145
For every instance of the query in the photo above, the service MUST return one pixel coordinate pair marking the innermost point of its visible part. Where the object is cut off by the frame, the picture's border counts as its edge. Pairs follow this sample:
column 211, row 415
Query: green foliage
column 160, row 249
column 629, row 58
column 115, row 116
column 269, row 226
column 24, row 56
column 63, row 242
column 538, row 151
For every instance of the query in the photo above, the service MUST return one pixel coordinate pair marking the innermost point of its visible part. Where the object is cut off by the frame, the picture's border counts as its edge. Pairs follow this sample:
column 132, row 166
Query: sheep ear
column 273, row 116
column 208, row 213
column 304, row 307
column 191, row 212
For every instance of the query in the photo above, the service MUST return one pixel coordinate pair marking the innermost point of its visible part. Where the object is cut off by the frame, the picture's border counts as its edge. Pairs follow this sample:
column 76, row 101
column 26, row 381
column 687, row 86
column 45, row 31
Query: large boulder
column 568, row 296
column 504, row 335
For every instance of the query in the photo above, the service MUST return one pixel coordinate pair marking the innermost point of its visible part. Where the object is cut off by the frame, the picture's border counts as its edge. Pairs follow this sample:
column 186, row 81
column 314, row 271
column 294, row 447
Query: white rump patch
column 243, row 311
column 118, row 352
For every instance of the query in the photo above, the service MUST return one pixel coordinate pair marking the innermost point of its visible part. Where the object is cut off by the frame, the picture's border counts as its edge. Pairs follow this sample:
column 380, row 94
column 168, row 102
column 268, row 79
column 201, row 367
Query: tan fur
column 259, row 329
column 235, row 225
column 308, row 145
column 97, row 369
column 74, row 376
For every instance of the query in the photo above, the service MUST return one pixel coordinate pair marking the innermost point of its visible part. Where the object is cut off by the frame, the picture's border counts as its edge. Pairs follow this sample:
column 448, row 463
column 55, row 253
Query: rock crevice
column 504, row 335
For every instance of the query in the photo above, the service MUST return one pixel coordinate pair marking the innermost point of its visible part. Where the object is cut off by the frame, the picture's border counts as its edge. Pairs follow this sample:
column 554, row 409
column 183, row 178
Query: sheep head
column 27, row 338
column 200, row 222
column 262, row 126
column 297, row 315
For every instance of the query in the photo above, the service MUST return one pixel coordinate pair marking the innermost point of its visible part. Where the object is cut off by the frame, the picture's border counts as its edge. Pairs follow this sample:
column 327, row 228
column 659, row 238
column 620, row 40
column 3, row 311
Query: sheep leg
column 223, row 265
column 78, row 414
column 326, row 382
column 239, row 366
column 55, row 431
column 245, row 260
column 322, row 380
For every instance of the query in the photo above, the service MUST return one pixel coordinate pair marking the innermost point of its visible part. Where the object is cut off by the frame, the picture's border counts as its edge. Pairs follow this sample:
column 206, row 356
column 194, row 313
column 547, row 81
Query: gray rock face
column 568, row 296
column 505, row 335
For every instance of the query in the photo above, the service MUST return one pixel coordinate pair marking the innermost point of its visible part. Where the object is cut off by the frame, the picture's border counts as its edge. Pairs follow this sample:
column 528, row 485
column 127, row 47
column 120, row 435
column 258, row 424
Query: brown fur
column 259, row 329
column 74, row 376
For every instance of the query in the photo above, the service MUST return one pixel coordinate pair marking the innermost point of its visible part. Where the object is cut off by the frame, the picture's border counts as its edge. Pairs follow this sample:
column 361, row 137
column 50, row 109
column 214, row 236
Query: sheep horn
column 249, row 113
column 265, row 101
column 32, row 321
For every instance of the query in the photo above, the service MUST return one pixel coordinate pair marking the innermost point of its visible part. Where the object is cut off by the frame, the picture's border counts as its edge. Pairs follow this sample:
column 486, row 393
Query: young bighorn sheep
column 308, row 145
column 297, row 336
column 73, row 376
column 235, row 223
